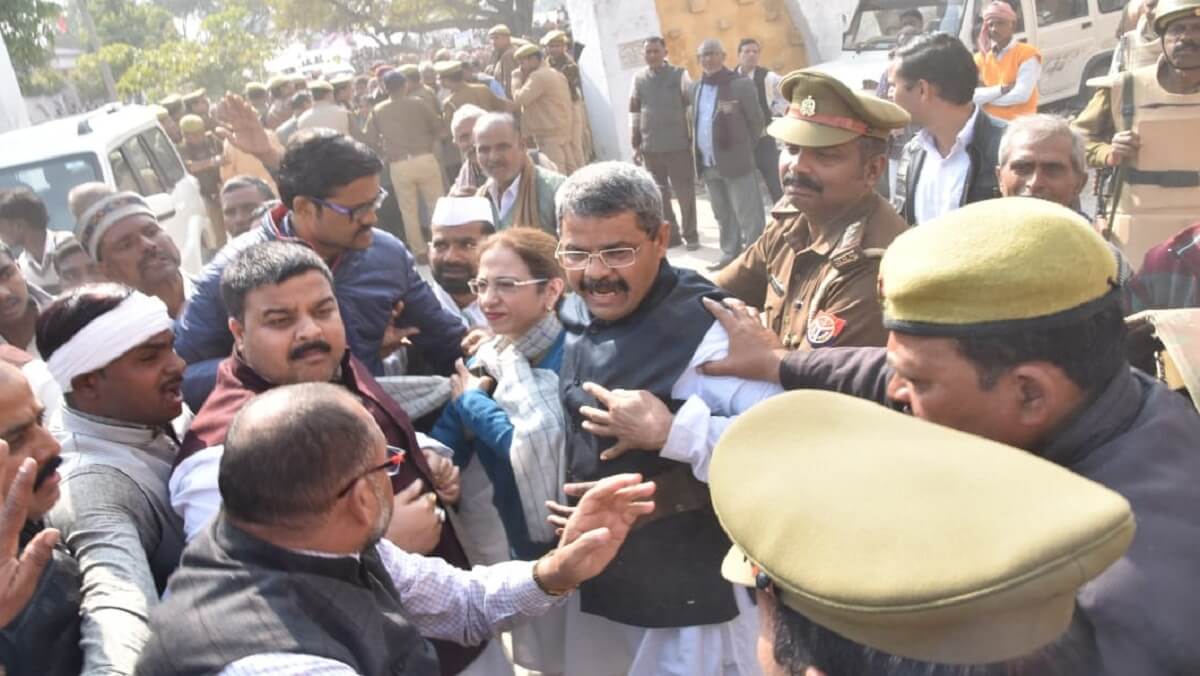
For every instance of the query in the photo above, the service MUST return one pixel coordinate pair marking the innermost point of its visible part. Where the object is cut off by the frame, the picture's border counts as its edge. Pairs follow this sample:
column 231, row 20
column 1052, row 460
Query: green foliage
column 380, row 19
column 130, row 23
column 28, row 29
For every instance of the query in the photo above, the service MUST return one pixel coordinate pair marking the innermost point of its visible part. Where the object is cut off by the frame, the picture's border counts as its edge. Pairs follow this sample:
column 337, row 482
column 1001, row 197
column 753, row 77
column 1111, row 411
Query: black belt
column 1165, row 179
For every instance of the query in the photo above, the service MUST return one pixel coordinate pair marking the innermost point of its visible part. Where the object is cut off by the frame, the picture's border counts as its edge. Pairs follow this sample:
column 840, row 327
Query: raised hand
column 19, row 575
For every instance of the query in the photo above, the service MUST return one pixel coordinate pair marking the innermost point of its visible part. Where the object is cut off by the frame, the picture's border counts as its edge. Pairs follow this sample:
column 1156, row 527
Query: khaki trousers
column 417, row 177
column 577, row 122
column 558, row 150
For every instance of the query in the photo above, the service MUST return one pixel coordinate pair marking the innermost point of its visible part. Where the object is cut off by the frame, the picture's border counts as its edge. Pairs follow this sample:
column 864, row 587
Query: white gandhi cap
column 452, row 211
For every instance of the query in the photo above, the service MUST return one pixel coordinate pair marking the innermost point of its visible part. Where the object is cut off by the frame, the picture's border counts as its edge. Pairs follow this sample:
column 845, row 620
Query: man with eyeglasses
column 329, row 188
column 288, row 328
column 636, row 331
column 282, row 585
column 1144, row 124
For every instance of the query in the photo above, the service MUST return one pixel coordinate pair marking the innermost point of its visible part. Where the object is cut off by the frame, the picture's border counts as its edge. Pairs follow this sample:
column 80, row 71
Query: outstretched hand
column 596, row 528
column 755, row 352
column 636, row 418
column 246, row 132
column 19, row 575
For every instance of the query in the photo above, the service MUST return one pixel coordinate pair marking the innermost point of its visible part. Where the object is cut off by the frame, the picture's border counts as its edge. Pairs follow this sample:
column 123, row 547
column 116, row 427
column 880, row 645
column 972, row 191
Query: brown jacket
column 476, row 95
column 545, row 100
column 403, row 128
column 822, row 293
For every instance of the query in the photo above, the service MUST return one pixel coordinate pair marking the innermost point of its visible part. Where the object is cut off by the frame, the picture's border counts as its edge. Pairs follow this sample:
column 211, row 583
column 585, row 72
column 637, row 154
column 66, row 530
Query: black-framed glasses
column 395, row 459
column 355, row 213
column 620, row 257
column 505, row 286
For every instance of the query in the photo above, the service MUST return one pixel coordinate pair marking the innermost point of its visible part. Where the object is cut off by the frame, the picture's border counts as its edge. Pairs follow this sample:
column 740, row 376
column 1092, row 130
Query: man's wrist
column 547, row 575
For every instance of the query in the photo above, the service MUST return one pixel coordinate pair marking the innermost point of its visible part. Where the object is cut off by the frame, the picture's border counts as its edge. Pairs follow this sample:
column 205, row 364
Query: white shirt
column 595, row 645
column 1027, row 79
column 195, row 496
column 471, row 316
column 942, row 180
column 505, row 202
column 440, row 601
column 42, row 273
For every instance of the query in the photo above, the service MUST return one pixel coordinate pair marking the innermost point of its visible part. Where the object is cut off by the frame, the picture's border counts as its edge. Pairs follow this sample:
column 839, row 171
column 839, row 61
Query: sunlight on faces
column 454, row 255
column 654, row 54
column 142, row 386
column 1042, row 169
column 512, row 313
column 77, row 269
column 22, row 426
column 137, row 252
column 609, row 293
column 14, row 293
column 292, row 332
column 335, row 231
column 827, row 180
column 238, row 207
column 498, row 150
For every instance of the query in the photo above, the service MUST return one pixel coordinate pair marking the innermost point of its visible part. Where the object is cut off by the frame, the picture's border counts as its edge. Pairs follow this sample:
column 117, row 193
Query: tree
column 380, row 19
column 86, row 74
column 28, row 28
column 130, row 23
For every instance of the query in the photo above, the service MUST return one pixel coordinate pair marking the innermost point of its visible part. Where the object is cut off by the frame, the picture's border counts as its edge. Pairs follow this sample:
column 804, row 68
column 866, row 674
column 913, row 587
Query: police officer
column 813, row 270
column 556, row 44
column 1145, row 124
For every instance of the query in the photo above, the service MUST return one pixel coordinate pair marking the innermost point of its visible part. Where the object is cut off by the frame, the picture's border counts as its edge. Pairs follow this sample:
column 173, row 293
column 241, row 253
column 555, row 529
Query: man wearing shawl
column 522, row 193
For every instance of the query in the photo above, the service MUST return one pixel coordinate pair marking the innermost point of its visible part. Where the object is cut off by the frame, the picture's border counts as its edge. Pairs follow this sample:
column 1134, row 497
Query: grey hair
column 468, row 111
column 1041, row 127
column 502, row 118
column 709, row 44
column 607, row 189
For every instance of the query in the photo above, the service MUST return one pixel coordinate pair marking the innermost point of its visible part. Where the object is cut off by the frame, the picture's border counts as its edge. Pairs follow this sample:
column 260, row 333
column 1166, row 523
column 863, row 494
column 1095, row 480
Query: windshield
column 52, row 179
column 876, row 23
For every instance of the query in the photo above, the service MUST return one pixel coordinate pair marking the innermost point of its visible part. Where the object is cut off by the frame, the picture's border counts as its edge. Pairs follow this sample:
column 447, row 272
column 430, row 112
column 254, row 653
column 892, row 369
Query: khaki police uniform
column 909, row 538
column 470, row 93
column 546, row 111
column 1160, row 194
column 405, row 131
column 821, row 292
column 580, row 133
column 504, row 63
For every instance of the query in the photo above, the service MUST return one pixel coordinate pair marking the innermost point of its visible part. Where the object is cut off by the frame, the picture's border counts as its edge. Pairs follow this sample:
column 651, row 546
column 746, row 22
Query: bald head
column 497, row 122
column 289, row 451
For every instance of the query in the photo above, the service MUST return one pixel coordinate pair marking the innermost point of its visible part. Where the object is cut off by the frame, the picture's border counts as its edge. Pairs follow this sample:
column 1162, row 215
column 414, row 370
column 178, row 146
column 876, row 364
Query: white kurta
column 596, row 646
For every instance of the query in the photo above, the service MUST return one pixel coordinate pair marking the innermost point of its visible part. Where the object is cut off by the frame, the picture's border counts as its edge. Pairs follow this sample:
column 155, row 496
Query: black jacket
column 981, row 184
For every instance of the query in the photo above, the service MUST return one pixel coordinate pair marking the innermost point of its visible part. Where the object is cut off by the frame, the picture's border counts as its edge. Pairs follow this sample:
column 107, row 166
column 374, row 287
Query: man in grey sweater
column 111, row 351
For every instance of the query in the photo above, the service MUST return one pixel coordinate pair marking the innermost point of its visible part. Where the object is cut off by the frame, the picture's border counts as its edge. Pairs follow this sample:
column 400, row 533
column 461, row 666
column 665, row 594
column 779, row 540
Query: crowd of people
column 925, row 417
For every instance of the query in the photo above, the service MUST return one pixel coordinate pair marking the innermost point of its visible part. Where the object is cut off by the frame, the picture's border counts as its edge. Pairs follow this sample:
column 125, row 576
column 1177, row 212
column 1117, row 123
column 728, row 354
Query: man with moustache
column 813, row 271
column 288, row 328
column 329, row 189
column 521, row 191
column 43, row 637
column 459, row 225
column 110, row 350
column 471, row 176
column 1144, row 125
column 121, row 233
column 295, row 576
column 636, row 331
column 20, row 304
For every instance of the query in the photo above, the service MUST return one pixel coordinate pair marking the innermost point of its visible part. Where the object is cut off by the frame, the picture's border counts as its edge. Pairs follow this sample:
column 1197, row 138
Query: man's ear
column 238, row 330
column 1044, row 391
column 84, row 386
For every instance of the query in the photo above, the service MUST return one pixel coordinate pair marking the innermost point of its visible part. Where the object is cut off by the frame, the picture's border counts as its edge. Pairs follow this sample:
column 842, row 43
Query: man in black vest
column 294, row 576
column 636, row 330
column 766, row 86
column 952, row 160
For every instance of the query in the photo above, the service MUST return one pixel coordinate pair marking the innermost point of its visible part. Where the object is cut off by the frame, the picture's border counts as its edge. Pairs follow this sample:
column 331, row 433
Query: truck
column 1076, row 39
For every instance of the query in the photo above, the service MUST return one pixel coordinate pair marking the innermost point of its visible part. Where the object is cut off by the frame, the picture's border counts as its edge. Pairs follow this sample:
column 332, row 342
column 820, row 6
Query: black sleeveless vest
column 234, row 596
column 667, row 574
column 760, row 87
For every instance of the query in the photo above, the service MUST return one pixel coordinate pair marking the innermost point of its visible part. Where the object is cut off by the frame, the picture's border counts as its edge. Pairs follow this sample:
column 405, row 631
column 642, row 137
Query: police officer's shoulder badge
column 824, row 327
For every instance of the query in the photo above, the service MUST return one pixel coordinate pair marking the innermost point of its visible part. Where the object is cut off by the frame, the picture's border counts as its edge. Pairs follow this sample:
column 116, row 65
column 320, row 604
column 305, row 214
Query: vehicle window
column 122, row 174
column 1050, row 12
column 139, row 161
column 876, row 23
column 1107, row 6
column 52, row 179
column 164, row 154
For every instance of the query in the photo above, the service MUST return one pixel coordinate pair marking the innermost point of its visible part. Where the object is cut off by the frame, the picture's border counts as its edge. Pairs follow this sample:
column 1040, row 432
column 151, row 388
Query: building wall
column 612, row 32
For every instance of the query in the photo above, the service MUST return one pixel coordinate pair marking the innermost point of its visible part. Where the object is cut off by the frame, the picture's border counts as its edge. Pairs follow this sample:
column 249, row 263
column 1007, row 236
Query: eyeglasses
column 355, row 213
column 395, row 458
column 505, row 286
column 621, row 257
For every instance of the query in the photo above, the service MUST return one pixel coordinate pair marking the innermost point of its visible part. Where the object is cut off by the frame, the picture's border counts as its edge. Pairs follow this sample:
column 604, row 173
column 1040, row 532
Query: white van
column 1076, row 38
column 119, row 145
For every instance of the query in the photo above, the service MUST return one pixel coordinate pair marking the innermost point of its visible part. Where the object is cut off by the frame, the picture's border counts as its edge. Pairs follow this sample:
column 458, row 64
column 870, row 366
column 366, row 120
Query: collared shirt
column 41, row 273
column 40, row 299
column 441, row 601
column 942, row 180
column 471, row 315
column 706, row 111
column 506, row 201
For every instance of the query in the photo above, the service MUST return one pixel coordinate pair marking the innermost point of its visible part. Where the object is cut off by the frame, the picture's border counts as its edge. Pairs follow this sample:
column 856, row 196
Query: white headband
column 107, row 337
column 102, row 215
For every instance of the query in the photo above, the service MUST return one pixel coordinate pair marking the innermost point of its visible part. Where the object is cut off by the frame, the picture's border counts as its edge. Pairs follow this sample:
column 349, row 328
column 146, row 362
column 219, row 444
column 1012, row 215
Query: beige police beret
column 448, row 67
column 255, row 89
column 320, row 86
column 997, row 266
column 825, row 112
column 527, row 50
column 499, row 29
column 194, row 95
column 911, row 538
column 171, row 101
column 191, row 124
column 553, row 37
column 341, row 80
